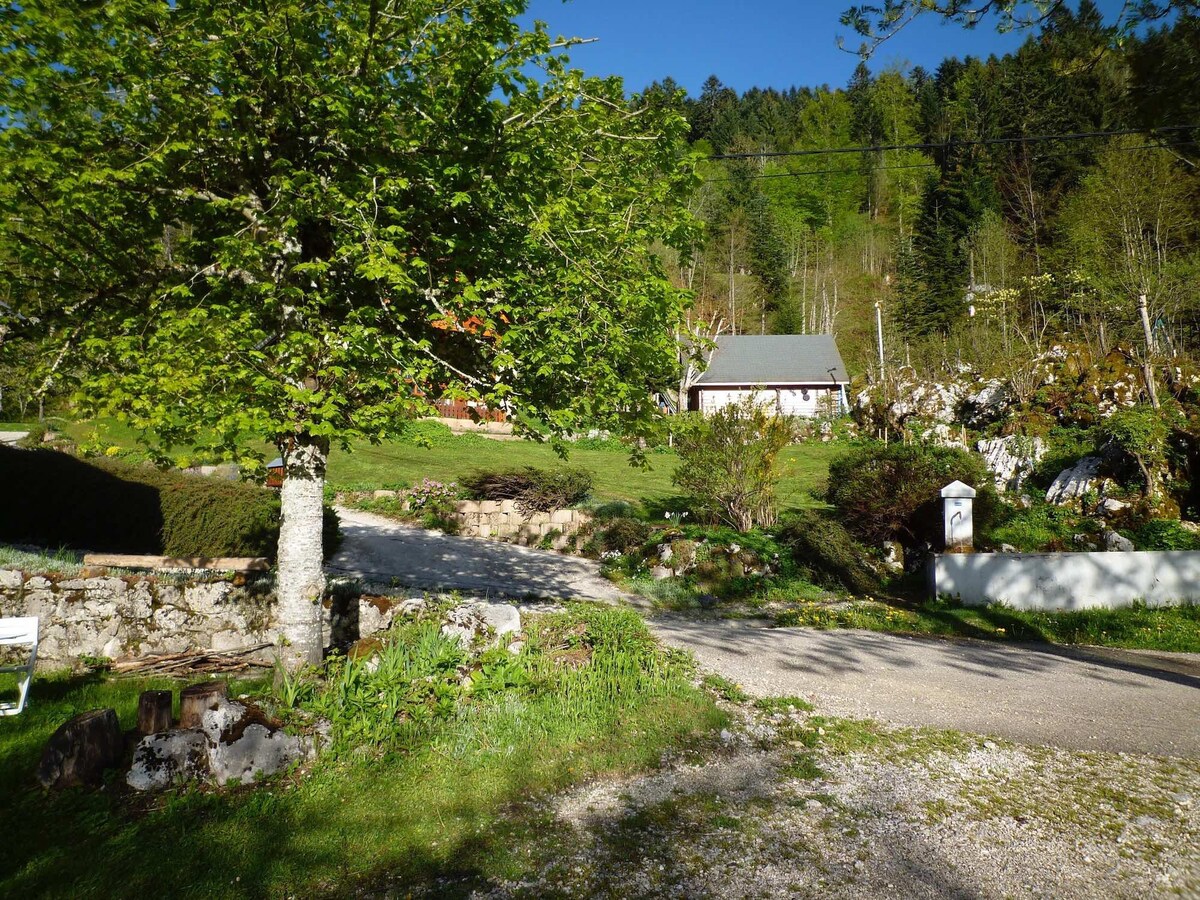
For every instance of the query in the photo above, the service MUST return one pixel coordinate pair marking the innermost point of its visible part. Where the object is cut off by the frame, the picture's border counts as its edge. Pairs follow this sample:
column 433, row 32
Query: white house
column 797, row 374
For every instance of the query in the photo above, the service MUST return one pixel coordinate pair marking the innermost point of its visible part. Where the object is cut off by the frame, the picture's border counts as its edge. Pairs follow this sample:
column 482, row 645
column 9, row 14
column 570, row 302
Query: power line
column 1155, row 146
column 945, row 145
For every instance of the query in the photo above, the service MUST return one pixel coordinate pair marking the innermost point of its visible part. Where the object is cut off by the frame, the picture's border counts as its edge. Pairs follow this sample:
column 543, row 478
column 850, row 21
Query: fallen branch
column 193, row 662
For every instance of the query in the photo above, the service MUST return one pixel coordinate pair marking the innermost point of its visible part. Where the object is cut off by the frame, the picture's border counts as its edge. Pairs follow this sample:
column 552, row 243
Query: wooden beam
column 220, row 563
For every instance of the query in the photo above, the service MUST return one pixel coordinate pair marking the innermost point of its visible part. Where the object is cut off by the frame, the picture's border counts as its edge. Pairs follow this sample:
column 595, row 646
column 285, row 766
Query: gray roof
column 750, row 359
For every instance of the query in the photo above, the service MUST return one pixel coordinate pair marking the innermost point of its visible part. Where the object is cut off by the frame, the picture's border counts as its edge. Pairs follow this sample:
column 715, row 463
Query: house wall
column 1066, row 581
column 791, row 401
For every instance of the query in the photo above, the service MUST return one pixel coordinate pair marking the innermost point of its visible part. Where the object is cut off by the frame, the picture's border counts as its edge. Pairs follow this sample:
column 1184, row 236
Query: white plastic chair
column 17, row 632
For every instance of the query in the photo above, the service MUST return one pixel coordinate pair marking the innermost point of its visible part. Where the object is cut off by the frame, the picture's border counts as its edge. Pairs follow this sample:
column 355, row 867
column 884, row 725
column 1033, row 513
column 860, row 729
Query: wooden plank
column 220, row 563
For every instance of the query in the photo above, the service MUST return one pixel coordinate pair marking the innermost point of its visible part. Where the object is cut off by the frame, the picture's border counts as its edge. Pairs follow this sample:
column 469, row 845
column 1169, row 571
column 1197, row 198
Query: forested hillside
column 1003, row 204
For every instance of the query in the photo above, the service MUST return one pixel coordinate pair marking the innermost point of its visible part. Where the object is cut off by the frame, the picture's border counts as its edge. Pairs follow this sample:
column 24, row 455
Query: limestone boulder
column 235, row 742
column 1117, row 543
column 1072, row 483
column 244, row 745
column 1011, row 460
column 168, row 758
column 987, row 403
column 472, row 620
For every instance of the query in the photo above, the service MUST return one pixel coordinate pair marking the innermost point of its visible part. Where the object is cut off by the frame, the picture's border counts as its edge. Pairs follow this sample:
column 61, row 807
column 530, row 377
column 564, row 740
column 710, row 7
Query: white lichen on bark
column 301, row 577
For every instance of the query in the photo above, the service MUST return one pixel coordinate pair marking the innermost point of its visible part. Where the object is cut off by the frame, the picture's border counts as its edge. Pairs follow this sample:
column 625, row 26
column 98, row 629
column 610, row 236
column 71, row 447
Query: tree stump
column 81, row 749
column 194, row 700
column 154, row 711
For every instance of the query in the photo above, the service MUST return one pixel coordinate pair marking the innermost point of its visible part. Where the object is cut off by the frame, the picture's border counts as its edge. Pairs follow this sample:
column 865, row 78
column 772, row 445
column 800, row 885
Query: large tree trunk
column 301, row 578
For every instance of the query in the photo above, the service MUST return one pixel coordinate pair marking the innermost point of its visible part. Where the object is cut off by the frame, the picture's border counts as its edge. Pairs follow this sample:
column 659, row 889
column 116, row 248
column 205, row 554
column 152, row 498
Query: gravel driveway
column 382, row 551
column 1114, row 700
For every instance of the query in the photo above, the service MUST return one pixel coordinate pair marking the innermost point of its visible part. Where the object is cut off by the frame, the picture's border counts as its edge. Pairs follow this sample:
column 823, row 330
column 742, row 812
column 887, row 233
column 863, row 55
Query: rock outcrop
column 1071, row 484
column 1011, row 459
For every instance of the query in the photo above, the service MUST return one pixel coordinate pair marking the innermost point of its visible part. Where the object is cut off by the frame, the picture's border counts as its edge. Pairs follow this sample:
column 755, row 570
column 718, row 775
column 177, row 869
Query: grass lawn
column 368, row 466
column 805, row 467
column 1173, row 628
column 452, row 795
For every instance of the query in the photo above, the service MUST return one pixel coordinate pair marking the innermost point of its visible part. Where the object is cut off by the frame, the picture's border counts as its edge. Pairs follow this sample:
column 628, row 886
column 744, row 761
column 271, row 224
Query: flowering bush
column 430, row 494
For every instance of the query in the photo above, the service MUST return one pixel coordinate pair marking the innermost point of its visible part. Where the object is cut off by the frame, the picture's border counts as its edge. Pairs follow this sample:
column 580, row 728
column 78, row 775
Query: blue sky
column 764, row 43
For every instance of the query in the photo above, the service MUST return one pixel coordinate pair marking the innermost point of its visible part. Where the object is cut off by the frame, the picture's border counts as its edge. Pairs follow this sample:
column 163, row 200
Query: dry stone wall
column 504, row 520
column 121, row 617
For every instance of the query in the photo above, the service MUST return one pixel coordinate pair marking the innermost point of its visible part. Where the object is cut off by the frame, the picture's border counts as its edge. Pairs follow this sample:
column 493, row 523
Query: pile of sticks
column 194, row 662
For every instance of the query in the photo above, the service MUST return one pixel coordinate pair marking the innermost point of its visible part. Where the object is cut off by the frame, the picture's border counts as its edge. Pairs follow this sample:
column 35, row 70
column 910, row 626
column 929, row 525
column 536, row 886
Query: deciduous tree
column 303, row 221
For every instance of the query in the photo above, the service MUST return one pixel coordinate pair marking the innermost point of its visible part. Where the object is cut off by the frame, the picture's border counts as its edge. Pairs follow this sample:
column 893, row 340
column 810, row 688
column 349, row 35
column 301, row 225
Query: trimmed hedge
column 52, row 499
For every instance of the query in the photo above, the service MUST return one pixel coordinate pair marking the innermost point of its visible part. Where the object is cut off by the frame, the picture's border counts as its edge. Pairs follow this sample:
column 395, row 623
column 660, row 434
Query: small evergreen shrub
column 538, row 490
column 892, row 493
column 827, row 554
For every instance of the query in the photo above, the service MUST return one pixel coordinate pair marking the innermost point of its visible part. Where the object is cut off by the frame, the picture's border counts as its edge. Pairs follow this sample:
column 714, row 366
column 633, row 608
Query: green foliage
column 729, row 463
column 885, row 493
column 622, row 535
column 325, row 268
column 1141, row 432
column 584, row 665
column 1040, row 527
column 533, row 488
column 826, row 553
column 454, row 798
column 1165, row 534
column 724, row 688
column 1065, row 446
column 56, row 500
column 428, row 433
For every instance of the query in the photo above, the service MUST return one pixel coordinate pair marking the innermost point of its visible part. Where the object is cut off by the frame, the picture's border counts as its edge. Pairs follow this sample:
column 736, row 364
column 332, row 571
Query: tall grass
column 406, row 799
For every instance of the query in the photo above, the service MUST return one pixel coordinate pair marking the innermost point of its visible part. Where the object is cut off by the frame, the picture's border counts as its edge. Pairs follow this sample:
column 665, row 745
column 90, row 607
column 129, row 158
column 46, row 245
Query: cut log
column 81, row 749
column 194, row 700
column 154, row 711
column 219, row 563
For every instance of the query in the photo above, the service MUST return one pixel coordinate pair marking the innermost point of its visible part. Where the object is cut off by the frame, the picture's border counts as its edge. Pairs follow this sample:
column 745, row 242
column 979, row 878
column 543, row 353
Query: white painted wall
column 790, row 400
column 1066, row 581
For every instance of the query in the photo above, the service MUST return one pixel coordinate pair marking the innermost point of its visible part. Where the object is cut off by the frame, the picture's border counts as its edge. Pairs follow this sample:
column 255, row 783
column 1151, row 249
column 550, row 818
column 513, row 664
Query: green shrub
column 535, row 489
column 1038, row 528
column 52, row 499
column 1065, row 446
column 1165, row 534
column 623, row 535
column 729, row 463
column 826, row 553
column 892, row 493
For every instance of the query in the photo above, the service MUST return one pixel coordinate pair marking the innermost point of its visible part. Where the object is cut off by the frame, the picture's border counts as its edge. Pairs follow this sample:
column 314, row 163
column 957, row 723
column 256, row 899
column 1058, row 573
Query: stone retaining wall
column 502, row 520
column 119, row 617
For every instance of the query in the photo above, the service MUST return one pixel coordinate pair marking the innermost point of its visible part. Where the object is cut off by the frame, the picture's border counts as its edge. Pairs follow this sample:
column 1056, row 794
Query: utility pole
column 879, row 333
column 1147, row 367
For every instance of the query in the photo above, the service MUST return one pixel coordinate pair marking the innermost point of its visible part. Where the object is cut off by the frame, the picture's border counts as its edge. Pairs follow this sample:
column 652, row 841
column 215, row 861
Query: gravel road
column 1078, row 699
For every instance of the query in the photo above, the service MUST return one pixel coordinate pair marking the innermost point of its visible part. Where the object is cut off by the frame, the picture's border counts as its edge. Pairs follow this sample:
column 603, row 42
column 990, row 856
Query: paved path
column 1134, row 701
column 11, row 437
column 380, row 550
